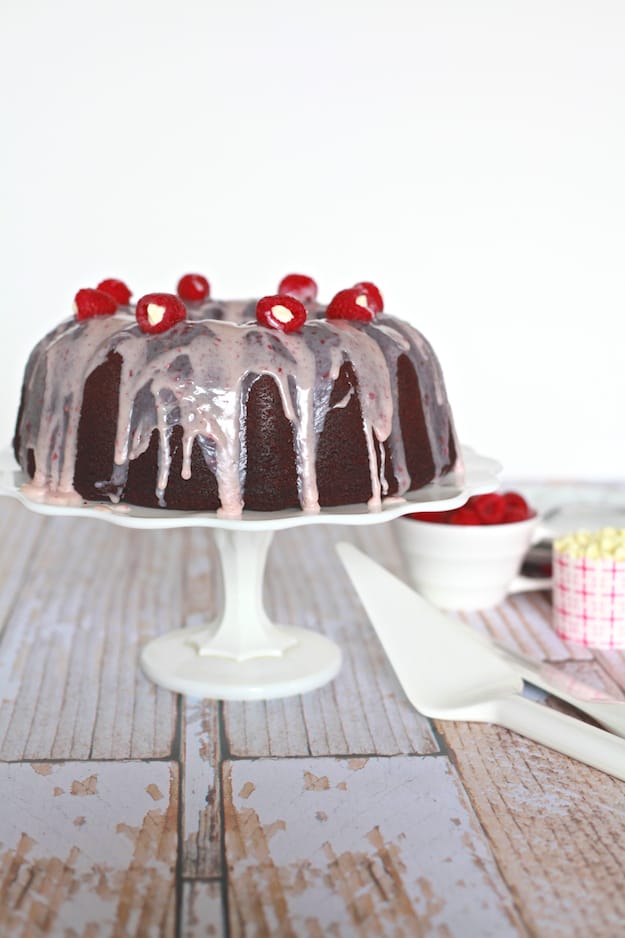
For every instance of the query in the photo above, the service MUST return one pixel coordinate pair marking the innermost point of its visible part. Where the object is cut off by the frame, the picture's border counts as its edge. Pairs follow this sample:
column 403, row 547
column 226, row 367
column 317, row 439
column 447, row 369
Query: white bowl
column 464, row 566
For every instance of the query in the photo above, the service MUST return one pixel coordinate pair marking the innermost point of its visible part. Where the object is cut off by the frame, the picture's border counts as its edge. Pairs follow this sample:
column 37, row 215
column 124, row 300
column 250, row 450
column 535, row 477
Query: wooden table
column 125, row 810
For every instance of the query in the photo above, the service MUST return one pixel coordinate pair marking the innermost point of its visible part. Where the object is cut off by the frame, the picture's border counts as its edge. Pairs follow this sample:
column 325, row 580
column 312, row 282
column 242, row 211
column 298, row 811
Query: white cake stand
column 243, row 655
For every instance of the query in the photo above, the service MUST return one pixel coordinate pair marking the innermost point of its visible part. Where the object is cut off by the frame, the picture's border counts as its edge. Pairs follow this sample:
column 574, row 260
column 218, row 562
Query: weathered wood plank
column 613, row 663
column 381, row 542
column 557, row 829
column 200, row 788
column 202, row 577
column 376, row 847
column 201, row 807
column 71, row 684
column 21, row 532
column 202, row 912
column 523, row 622
column 364, row 710
column 594, row 675
column 88, row 850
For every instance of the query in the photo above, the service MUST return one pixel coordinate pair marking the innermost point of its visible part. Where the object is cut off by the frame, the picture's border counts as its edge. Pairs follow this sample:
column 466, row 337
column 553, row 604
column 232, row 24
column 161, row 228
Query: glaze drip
column 198, row 375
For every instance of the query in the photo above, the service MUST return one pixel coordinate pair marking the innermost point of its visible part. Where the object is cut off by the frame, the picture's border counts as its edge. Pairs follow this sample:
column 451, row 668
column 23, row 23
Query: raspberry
column 157, row 312
column 490, row 508
column 281, row 312
column 376, row 303
column 117, row 289
column 300, row 286
column 193, row 288
column 515, row 501
column 351, row 304
column 513, row 514
column 465, row 515
column 88, row 303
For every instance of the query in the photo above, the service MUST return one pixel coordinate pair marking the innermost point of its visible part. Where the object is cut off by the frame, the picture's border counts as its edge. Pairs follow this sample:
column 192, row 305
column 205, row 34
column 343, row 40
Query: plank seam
column 223, row 756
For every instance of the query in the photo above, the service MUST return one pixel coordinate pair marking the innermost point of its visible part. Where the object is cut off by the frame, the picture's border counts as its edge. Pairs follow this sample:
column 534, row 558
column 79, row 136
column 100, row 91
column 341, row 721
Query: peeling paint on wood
column 202, row 912
column 326, row 837
column 97, row 865
column 371, row 851
column 313, row 782
column 201, row 823
column 154, row 792
column 88, row 786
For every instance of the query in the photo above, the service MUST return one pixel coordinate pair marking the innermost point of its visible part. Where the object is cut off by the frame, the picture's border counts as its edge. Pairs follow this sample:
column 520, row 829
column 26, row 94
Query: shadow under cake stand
column 243, row 655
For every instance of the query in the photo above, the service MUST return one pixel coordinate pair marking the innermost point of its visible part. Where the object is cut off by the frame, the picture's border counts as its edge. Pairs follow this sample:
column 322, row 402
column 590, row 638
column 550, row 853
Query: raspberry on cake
column 88, row 303
column 117, row 289
column 193, row 287
column 301, row 286
column 158, row 312
column 356, row 303
column 374, row 297
column 281, row 312
column 191, row 403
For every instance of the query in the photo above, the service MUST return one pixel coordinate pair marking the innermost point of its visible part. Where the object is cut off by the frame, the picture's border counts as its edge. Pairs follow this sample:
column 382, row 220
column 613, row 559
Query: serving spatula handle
column 557, row 731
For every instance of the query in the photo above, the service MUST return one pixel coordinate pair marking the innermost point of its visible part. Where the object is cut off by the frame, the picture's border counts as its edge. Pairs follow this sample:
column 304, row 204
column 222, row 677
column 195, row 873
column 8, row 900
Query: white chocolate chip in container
column 589, row 587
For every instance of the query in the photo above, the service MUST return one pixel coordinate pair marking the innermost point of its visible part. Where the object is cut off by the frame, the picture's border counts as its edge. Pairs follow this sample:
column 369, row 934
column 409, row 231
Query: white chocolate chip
column 282, row 313
column 155, row 313
column 606, row 544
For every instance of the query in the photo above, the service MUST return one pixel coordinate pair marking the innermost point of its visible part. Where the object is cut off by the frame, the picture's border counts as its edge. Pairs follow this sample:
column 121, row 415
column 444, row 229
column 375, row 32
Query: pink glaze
column 198, row 376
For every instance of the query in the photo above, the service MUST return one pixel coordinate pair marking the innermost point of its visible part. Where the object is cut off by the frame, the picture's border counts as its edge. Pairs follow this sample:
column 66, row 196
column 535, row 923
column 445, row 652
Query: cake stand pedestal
column 243, row 655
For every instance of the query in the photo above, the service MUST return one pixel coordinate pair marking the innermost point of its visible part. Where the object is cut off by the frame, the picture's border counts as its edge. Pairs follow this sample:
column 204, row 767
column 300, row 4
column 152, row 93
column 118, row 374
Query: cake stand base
column 309, row 661
column 242, row 655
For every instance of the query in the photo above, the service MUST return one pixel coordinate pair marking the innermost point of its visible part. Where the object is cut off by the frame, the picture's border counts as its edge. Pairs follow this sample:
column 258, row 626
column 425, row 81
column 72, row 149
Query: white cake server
column 605, row 710
column 449, row 673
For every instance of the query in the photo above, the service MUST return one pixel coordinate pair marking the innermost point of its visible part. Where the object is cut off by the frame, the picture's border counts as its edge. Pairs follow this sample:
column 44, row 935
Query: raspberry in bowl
column 468, row 558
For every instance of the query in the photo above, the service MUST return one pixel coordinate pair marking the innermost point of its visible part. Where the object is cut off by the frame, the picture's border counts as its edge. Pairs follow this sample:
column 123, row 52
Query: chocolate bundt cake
column 189, row 403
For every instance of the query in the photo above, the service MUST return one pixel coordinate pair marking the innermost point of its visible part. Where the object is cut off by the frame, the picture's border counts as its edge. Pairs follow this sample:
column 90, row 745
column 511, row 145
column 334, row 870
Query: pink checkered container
column 589, row 600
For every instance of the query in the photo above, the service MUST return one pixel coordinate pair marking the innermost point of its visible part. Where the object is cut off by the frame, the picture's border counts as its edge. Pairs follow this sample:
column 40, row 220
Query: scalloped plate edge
column 480, row 475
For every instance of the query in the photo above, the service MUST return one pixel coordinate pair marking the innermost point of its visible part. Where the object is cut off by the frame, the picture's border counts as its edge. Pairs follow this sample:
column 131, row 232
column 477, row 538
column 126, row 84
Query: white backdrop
column 467, row 157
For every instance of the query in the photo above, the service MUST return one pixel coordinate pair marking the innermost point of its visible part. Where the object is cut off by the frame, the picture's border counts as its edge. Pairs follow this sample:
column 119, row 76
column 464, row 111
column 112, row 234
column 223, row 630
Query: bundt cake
column 185, row 402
